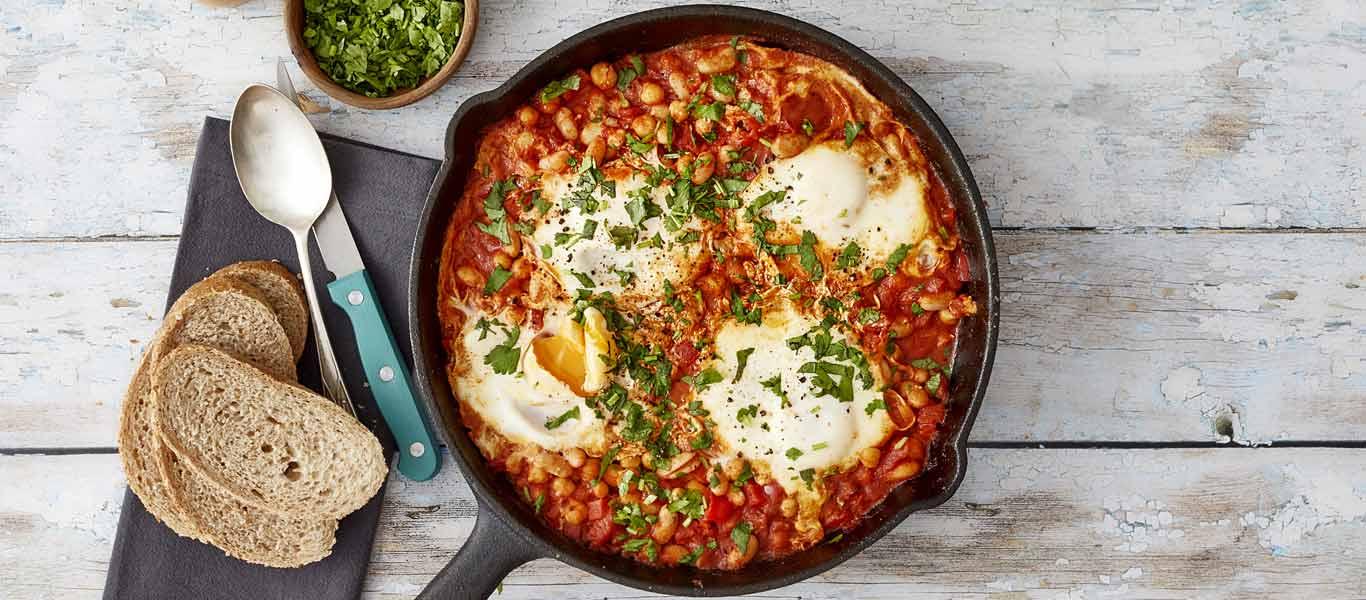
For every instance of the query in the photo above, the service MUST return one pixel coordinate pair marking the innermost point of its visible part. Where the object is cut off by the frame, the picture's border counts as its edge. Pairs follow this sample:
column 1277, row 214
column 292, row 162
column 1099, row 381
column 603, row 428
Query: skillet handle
column 492, row 551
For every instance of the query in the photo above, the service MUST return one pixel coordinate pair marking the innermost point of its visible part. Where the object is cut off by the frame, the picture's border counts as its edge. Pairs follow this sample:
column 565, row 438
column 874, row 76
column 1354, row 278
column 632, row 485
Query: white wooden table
column 1179, row 402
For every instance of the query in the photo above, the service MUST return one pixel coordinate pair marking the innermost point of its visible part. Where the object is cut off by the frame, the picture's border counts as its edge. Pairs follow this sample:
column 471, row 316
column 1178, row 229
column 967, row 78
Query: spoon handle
column 333, row 386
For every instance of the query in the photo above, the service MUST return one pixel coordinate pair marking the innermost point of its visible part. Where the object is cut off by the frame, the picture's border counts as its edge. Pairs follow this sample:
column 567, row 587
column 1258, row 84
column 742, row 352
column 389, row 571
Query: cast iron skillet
column 506, row 533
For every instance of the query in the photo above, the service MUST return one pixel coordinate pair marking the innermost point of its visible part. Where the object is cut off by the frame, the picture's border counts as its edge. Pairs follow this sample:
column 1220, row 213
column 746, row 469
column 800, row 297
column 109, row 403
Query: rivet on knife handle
column 418, row 456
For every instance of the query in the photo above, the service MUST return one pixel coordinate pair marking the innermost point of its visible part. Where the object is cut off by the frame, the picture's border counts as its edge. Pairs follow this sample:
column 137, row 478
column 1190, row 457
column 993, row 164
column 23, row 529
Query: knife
column 388, row 376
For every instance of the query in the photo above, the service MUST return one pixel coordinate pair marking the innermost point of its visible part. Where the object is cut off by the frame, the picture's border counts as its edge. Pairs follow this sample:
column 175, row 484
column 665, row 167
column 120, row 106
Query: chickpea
column 590, row 132
column 549, row 108
column 629, row 462
column 898, row 409
column 643, row 126
column 920, row 375
column 521, row 269
column 576, row 457
column 600, row 490
column 664, row 529
column 678, row 83
column 589, row 470
column 947, row 317
column 935, row 302
column 555, row 161
column 502, row 260
column 915, row 395
column 616, row 138
column 612, row 476
column 557, row 465
column 561, row 487
column 683, row 164
column 716, row 61
column 564, row 121
column 659, row 111
column 695, row 485
column 733, row 468
column 723, row 155
column 790, row 144
column 537, row 474
column 722, row 485
column 739, row 558
column 736, row 496
column 904, row 470
column 665, row 135
column 651, row 93
column 527, row 116
column 672, row 554
column 597, row 150
column 869, row 456
column 469, row 276
column 574, row 512
column 604, row 75
column 704, row 126
column 703, row 167
column 678, row 109
column 884, row 370
column 789, row 507
column 597, row 105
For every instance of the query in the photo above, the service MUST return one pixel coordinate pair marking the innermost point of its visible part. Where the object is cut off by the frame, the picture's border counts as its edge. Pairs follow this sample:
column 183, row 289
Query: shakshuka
column 700, row 304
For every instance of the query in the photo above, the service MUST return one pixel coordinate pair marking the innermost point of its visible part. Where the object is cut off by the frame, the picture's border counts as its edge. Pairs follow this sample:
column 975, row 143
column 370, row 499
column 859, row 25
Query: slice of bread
column 283, row 291
column 236, row 318
column 242, row 531
column 139, row 446
column 224, row 314
column 269, row 444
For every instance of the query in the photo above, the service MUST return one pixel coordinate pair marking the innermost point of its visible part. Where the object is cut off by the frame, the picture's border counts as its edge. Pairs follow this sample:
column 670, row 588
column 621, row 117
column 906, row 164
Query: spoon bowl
column 278, row 158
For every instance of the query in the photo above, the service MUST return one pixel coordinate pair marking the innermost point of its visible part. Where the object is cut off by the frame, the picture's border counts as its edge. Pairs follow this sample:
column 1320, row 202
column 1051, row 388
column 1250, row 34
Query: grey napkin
column 382, row 192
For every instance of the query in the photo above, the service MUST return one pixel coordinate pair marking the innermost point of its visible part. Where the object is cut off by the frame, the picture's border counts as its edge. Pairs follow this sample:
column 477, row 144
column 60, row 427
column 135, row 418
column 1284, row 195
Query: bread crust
column 284, row 293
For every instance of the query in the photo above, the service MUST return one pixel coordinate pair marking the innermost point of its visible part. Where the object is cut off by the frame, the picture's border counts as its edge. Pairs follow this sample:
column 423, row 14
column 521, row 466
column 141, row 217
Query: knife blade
column 338, row 248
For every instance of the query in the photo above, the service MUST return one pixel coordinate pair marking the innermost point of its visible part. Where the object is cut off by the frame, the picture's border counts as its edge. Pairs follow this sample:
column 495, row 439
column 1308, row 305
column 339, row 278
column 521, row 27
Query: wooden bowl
column 294, row 28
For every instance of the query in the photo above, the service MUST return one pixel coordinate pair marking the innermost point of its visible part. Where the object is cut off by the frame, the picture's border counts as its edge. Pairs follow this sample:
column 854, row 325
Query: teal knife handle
column 418, row 455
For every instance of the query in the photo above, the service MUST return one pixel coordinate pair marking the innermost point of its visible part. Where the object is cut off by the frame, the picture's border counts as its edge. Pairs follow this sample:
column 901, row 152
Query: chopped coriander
column 637, row 145
column 702, row 442
column 497, row 279
column 701, row 380
column 755, row 110
column 554, row 423
column 740, row 535
column 622, row 236
column 894, row 261
column 496, row 213
column 723, row 84
column 505, row 356
column 714, row 111
column 775, row 384
column 819, row 447
column 537, row 200
column 794, row 453
column 916, row 309
column 932, row 384
column 690, row 503
column 745, row 475
column 869, row 316
column 809, row 476
column 807, row 127
column 874, row 406
column 546, row 251
column 630, row 72
column 849, row 256
column 376, row 48
column 645, row 545
column 753, row 316
column 851, row 131
column 538, row 503
column 746, row 415
column 606, row 462
column 584, row 280
column 691, row 557
column 741, row 360
column 558, row 88
column 483, row 326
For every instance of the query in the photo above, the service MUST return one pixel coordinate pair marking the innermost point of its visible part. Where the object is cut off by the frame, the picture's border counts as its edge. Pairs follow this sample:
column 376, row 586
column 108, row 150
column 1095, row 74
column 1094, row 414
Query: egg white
column 827, row 432
column 847, row 194
column 598, row 257
column 517, row 405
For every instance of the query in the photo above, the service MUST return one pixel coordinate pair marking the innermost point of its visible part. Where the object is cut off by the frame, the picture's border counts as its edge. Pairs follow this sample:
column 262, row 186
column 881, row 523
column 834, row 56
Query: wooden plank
column 1205, row 114
column 1207, row 523
column 1105, row 337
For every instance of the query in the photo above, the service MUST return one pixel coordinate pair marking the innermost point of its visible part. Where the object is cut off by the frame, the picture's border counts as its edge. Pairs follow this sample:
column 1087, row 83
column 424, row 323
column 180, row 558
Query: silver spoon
column 285, row 176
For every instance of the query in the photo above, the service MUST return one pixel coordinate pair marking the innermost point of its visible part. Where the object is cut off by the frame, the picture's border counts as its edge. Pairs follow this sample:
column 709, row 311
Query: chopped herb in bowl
column 376, row 47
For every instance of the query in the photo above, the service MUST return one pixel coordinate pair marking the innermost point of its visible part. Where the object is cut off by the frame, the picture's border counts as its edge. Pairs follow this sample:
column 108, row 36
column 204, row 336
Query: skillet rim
column 972, row 224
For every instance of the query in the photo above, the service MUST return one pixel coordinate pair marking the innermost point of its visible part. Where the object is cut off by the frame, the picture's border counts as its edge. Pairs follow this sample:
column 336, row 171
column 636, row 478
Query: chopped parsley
column 794, row 453
column 723, row 84
column 874, row 406
column 868, row 316
column 645, row 545
column 497, row 279
column 747, row 414
column 714, row 111
column 630, row 72
column 755, row 110
column 746, row 474
column 932, row 384
column 376, row 48
column 775, row 384
column 701, row 380
column 696, row 553
column 689, row 503
column 740, row 535
column 820, row 446
column 554, row 423
column 493, row 209
column 505, row 356
column 849, row 256
column 851, row 131
column 897, row 257
column 741, row 360
column 809, row 476
column 558, row 88
column 753, row 316
column 622, row 236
